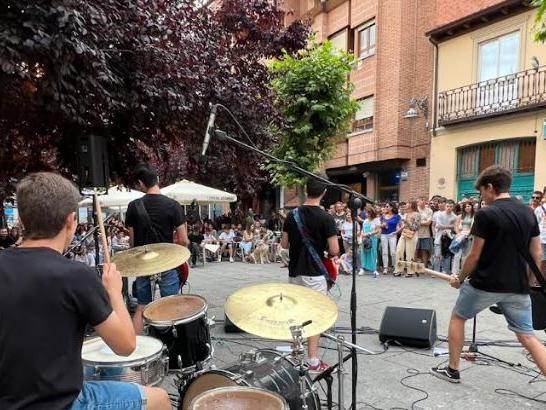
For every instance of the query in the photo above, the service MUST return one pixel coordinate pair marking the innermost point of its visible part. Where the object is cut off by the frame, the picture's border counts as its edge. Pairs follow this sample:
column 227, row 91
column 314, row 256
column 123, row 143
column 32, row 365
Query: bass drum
column 265, row 369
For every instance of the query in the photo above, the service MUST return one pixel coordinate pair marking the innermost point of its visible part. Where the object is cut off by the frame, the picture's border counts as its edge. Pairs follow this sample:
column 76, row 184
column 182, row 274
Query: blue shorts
column 515, row 307
column 424, row 244
column 169, row 284
column 110, row 395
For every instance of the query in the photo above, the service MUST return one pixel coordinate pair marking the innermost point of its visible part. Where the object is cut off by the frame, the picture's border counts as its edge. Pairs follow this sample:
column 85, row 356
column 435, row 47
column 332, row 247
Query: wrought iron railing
column 520, row 91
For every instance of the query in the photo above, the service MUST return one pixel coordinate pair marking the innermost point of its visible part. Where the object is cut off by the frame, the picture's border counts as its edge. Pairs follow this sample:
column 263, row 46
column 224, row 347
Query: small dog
column 259, row 253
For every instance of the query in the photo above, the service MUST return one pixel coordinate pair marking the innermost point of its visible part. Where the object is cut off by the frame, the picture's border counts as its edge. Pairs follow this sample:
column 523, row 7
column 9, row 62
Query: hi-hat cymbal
column 150, row 259
column 269, row 309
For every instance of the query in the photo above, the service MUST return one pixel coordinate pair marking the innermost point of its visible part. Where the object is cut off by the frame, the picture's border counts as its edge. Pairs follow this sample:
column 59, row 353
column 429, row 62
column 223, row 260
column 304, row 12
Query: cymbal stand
column 298, row 352
column 154, row 280
column 341, row 343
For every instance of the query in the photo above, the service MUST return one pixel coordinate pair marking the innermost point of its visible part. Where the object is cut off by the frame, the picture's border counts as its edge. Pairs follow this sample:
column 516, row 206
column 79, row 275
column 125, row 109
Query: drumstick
column 106, row 250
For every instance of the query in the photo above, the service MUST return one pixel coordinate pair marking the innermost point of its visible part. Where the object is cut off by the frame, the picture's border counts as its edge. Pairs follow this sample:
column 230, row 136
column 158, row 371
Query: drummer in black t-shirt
column 166, row 216
column 302, row 270
column 496, row 269
column 46, row 301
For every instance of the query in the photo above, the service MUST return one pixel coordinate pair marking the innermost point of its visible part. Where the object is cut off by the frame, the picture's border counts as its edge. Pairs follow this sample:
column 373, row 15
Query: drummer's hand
column 111, row 278
column 454, row 281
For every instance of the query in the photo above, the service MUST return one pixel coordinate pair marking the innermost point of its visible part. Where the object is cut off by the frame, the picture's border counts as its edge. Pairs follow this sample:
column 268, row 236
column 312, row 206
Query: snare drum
column 264, row 369
column 180, row 322
column 147, row 365
column 240, row 398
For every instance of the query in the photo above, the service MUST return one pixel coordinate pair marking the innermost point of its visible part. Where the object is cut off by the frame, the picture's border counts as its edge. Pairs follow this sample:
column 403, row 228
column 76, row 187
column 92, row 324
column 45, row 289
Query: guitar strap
column 308, row 244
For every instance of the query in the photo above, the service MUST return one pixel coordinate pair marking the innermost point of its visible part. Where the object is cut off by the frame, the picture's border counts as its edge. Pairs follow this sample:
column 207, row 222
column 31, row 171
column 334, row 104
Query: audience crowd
column 435, row 232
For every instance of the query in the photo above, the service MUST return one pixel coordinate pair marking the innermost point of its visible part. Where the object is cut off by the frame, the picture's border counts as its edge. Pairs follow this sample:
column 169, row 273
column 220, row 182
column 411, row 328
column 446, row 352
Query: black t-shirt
column 320, row 226
column 165, row 213
column 6, row 242
column 501, row 268
column 196, row 237
column 46, row 301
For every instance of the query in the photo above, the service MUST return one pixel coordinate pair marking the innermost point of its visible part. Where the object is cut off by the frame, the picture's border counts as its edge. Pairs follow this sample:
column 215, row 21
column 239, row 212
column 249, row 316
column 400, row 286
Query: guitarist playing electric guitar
column 506, row 236
column 308, row 233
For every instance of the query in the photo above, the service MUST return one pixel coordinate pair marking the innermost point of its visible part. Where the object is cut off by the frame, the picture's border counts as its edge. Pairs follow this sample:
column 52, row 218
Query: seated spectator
column 345, row 262
column 196, row 239
column 210, row 244
column 5, row 240
column 82, row 255
column 120, row 242
column 248, row 240
column 226, row 242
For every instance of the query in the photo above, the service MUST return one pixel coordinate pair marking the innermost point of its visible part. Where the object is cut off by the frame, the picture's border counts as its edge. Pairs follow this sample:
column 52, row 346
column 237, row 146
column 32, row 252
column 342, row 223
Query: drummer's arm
column 182, row 235
column 117, row 330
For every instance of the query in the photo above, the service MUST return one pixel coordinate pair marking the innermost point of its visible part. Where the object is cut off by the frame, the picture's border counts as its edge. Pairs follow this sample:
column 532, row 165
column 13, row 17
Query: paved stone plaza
column 379, row 376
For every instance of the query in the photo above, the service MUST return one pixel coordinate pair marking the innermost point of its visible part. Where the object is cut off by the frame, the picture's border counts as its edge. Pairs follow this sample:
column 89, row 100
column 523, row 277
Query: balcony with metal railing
column 522, row 91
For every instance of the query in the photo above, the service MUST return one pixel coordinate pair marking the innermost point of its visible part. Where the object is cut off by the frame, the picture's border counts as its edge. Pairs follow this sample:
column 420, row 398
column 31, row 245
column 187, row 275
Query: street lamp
column 416, row 105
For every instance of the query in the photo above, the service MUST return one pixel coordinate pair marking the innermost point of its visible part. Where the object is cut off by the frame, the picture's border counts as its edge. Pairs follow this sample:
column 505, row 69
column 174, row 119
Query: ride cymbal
column 150, row 259
column 268, row 310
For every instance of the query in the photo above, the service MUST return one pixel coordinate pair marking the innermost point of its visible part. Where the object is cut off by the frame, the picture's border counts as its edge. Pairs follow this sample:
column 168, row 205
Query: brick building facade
column 385, row 157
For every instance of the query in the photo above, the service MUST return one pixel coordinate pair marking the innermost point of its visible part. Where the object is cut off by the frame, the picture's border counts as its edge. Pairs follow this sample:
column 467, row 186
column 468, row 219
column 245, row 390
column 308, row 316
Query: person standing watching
column 536, row 200
column 443, row 224
column 41, row 365
column 496, row 269
column 425, row 242
column 540, row 213
column 390, row 221
column 302, row 269
column 164, row 216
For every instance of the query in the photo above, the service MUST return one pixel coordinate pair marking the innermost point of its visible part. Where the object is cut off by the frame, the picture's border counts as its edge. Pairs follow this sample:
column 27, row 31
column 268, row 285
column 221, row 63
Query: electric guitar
column 420, row 268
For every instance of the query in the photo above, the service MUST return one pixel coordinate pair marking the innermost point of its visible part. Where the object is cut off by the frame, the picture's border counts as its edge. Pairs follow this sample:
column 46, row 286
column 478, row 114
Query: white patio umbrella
column 117, row 196
column 184, row 192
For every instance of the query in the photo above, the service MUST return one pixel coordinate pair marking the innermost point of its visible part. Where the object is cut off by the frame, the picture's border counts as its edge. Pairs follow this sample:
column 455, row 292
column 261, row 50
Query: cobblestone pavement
column 382, row 378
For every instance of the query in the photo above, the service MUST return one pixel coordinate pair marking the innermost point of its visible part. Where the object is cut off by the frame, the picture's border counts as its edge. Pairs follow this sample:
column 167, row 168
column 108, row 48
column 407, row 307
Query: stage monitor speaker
column 408, row 326
column 230, row 327
column 93, row 169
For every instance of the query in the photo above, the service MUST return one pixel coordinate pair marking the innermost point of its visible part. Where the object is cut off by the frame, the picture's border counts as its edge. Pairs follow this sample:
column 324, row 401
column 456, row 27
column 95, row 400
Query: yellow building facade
column 490, row 102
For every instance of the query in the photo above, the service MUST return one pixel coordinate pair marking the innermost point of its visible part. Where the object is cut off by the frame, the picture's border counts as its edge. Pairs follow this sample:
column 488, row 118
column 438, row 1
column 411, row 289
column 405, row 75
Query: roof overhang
column 483, row 17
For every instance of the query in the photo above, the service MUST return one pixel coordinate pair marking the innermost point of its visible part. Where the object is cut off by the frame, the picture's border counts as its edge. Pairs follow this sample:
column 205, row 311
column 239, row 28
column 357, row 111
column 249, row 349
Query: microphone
column 210, row 126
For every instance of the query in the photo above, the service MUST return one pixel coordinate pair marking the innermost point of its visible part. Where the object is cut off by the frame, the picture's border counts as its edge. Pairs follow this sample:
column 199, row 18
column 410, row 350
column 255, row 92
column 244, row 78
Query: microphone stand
column 356, row 199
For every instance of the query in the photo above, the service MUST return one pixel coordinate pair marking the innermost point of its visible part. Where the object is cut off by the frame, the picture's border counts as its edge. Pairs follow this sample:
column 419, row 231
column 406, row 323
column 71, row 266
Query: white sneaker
column 361, row 272
column 231, row 260
column 220, row 258
column 375, row 274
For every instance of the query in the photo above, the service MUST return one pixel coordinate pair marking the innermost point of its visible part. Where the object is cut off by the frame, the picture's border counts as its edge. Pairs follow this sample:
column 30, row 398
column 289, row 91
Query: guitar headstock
column 417, row 267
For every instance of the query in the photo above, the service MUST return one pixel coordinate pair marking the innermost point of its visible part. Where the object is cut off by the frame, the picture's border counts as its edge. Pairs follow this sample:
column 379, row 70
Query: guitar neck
column 438, row 275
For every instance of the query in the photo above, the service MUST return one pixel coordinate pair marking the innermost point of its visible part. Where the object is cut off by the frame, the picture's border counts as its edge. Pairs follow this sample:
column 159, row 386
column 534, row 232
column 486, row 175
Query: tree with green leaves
column 540, row 20
column 314, row 96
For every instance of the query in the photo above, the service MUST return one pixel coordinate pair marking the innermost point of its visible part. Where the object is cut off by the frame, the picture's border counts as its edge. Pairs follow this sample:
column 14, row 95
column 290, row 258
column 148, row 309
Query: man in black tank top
column 495, row 269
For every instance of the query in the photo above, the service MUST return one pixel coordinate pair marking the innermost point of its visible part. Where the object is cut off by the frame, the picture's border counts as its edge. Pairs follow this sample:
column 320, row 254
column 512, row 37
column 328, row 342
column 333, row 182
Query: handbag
column 408, row 233
column 366, row 242
column 537, row 293
column 326, row 266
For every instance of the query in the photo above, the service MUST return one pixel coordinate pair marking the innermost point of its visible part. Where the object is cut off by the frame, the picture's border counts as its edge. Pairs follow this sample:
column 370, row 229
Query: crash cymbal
column 269, row 309
column 150, row 259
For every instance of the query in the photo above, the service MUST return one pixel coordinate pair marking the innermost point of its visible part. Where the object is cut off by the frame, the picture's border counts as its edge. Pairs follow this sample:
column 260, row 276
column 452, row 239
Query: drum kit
column 178, row 341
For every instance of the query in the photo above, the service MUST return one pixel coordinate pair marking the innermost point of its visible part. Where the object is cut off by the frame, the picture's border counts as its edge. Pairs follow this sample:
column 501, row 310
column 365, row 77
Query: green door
column 516, row 155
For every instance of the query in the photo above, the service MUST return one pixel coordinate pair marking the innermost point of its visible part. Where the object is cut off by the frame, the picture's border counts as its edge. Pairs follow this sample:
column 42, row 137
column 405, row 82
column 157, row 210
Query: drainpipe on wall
column 435, row 88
